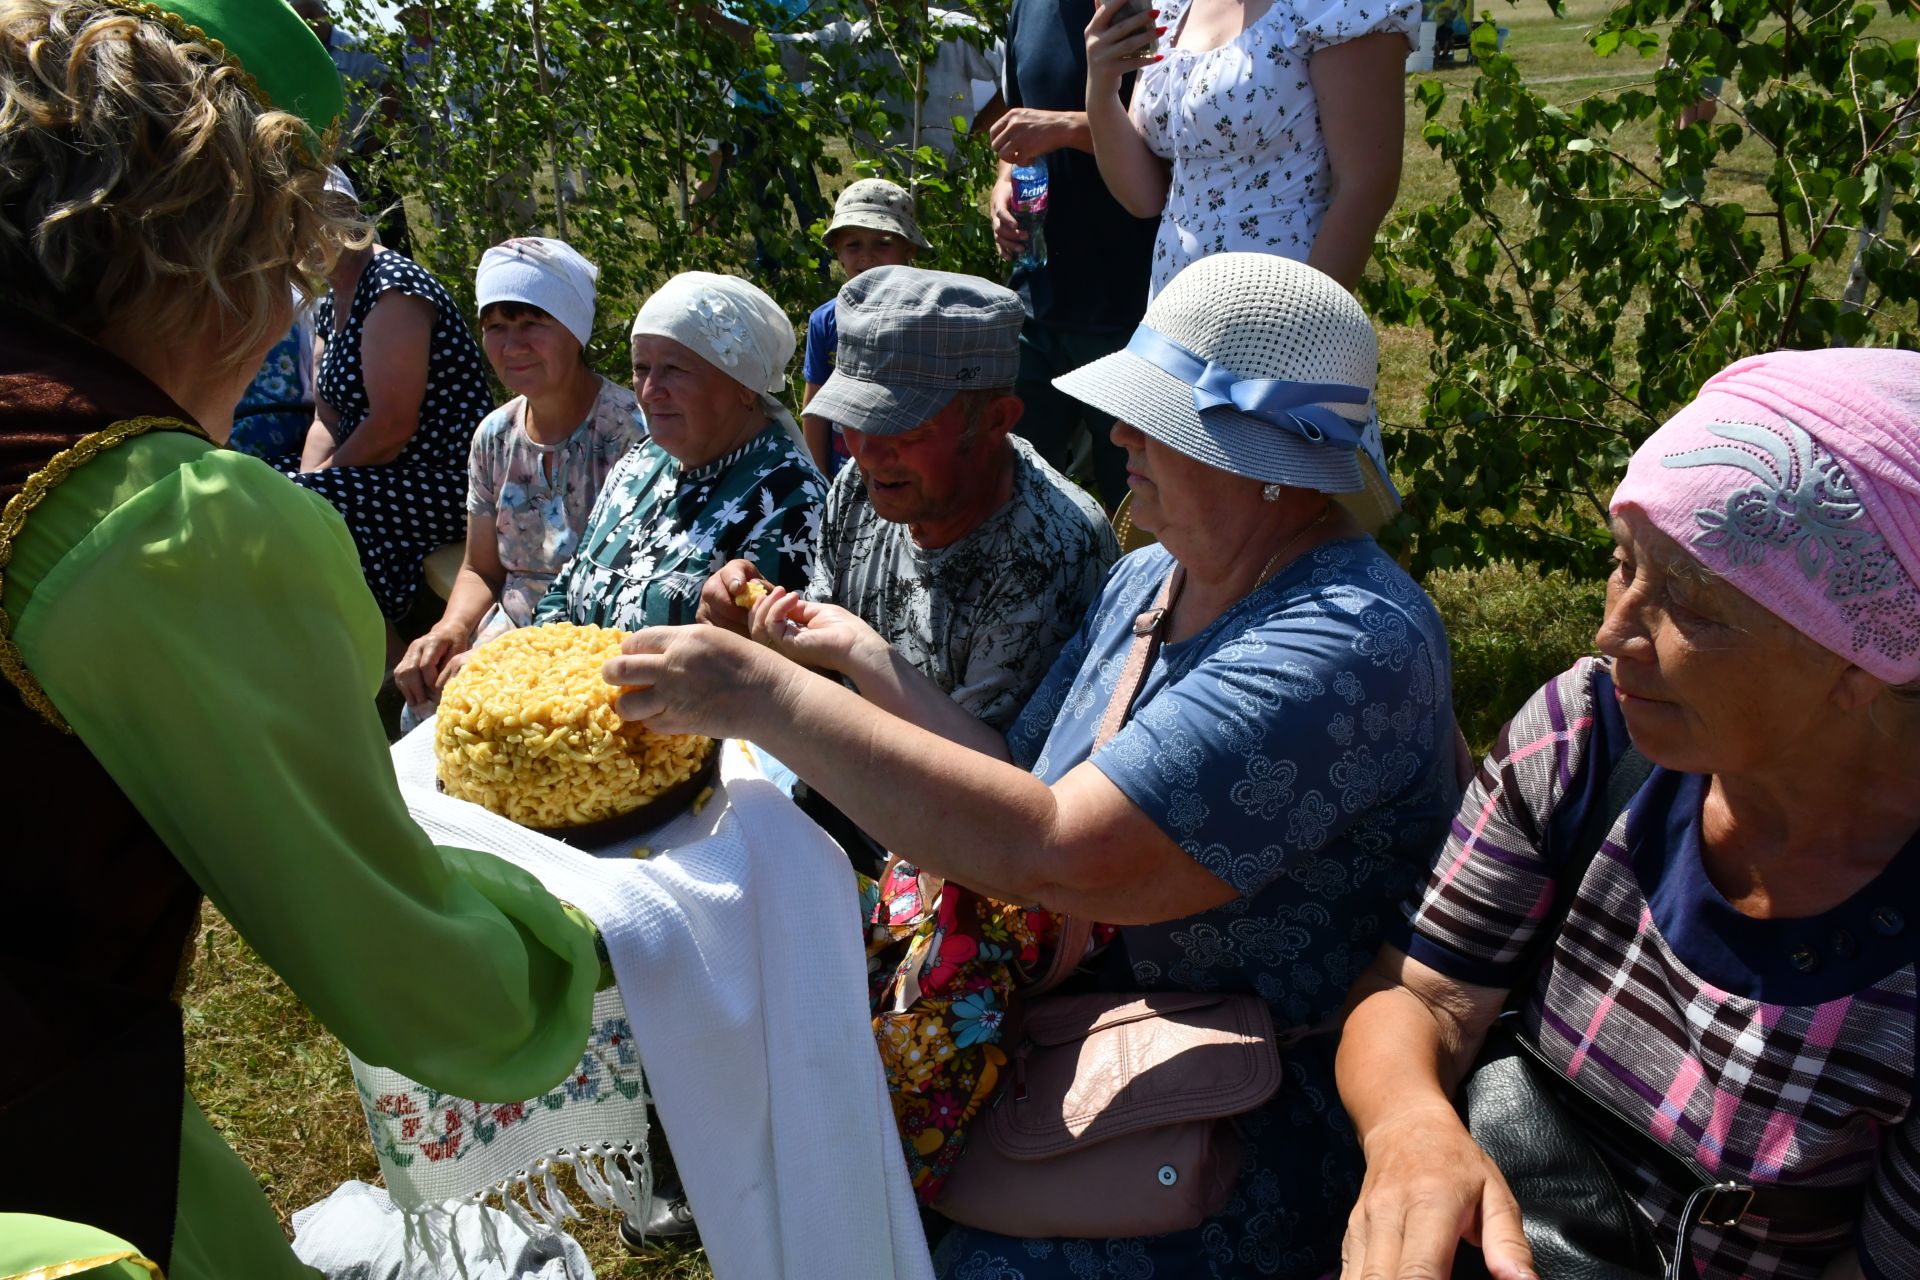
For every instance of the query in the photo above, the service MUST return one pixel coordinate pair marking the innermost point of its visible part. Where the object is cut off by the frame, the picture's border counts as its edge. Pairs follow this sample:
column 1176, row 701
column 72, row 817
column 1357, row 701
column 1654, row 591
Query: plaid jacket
column 1771, row 1051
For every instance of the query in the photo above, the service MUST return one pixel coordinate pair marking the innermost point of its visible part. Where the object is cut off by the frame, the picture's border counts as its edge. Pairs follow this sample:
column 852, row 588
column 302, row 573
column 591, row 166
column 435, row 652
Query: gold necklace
column 1274, row 561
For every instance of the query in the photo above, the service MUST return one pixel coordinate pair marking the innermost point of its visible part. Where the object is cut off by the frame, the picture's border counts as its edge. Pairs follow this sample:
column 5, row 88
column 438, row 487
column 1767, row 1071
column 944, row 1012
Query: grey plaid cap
column 910, row 340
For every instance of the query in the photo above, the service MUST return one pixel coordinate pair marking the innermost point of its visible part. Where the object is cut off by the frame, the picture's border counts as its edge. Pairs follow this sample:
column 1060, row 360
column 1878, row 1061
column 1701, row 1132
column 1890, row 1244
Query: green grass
column 276, row 1084
column 1510, row 630
column 277, row 1087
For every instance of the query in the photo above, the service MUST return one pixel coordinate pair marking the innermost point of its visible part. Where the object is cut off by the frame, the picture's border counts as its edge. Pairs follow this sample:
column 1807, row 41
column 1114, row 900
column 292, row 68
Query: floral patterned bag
column 945, row 963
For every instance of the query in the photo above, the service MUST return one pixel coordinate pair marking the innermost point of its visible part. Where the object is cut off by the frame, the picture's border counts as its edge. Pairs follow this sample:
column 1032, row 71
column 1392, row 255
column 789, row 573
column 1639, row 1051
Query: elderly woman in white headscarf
column 724, row 474
column 537, row 462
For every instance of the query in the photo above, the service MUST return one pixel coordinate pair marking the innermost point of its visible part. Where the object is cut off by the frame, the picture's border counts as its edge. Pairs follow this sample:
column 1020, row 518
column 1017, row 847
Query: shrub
column 592, row 120
column 1592, row 269
column 1511, row 630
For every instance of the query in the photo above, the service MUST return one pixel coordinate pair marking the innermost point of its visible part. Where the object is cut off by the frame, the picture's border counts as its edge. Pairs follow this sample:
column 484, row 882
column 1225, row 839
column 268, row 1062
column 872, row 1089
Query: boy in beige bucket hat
column 873, row 226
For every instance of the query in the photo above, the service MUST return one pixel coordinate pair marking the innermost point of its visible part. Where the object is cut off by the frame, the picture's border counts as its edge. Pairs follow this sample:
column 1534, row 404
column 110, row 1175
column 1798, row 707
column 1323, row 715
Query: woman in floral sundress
column 1226, row 141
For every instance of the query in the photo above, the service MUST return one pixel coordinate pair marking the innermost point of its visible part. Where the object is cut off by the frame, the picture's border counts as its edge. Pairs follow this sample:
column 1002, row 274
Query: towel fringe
column 614, row 1178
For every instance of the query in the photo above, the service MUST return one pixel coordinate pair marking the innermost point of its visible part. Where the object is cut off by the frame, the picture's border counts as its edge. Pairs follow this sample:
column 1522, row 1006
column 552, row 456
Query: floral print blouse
column 1242, row 127
column 539, row 496
column 658, row 532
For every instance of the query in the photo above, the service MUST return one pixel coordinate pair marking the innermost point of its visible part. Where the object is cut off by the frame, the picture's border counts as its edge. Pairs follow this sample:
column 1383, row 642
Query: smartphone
column 1132, row 9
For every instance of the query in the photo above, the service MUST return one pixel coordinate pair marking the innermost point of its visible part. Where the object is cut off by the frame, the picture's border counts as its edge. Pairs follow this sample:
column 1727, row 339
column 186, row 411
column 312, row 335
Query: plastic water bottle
column 1030, row 211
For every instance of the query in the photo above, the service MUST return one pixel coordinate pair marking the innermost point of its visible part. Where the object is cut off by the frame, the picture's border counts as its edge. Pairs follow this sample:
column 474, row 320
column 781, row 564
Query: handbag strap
column 1148, row 630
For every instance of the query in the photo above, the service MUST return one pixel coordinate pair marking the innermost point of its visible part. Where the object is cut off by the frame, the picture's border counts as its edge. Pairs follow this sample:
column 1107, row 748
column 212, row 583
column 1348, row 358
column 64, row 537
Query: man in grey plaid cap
column 950, row 537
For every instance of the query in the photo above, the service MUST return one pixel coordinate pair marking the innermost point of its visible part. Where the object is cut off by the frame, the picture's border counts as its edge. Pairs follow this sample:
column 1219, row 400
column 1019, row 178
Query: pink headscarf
column 1796, row 475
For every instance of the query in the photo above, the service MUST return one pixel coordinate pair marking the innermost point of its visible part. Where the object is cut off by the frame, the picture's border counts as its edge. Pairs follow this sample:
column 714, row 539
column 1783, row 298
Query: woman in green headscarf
column 194, row 653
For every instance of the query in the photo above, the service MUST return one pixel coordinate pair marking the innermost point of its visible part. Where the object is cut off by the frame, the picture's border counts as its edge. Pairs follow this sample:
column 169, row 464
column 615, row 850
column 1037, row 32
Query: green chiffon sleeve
column 33, row 1246
column 203, row 626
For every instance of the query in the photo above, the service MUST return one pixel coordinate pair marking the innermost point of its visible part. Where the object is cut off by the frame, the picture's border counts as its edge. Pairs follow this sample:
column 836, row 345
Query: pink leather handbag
column 1116, row 1116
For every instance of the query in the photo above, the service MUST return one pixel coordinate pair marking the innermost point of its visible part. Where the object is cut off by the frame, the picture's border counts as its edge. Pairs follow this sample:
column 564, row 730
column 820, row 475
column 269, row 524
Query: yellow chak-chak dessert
column 527, row 729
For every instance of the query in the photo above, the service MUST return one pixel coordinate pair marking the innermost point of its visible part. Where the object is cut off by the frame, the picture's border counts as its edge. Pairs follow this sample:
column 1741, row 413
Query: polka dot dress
column 401, row 510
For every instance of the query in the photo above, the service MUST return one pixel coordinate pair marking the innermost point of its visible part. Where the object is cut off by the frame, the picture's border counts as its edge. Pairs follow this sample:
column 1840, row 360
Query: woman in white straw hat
column 724, row 474
column 1286, row 767
column 537, row 462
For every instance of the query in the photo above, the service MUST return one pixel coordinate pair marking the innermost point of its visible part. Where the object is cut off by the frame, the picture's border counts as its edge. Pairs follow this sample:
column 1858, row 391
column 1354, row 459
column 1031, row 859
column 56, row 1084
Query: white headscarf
column 732, row 325
column 545, row 273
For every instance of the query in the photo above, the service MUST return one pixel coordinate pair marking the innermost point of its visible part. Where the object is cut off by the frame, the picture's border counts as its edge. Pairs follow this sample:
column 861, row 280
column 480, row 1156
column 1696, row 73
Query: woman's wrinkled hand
column 717, row 604
column 425, row 669
column 1428, row 1187
column 696, row 679
column 1119, row 42
column 813, row 634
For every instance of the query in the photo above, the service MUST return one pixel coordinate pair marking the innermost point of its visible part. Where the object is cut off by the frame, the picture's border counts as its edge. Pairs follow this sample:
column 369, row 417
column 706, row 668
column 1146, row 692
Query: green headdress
column 284, row 63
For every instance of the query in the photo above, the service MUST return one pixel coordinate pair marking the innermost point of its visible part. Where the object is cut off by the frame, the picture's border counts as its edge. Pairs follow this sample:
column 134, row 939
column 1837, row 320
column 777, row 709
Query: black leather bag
column 1579, row 1222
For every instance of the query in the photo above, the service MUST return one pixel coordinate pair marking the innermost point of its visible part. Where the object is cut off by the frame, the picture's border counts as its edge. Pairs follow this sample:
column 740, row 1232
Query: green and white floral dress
column 658, row 532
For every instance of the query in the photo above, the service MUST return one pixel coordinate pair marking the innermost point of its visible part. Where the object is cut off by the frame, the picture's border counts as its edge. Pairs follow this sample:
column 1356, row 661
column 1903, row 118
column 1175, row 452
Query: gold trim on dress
column 56, row 1270
column 14, row 518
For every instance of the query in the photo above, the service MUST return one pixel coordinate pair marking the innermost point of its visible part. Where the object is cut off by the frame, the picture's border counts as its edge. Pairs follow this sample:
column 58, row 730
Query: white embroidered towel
column 438, row 1151
column 737, row 948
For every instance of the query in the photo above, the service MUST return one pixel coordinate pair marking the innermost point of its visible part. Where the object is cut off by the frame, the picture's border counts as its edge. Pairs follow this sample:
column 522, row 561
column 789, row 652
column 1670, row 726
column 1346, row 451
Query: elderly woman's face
column 532, row 353
column 1172, row 493
column 1709, row 681
column 695, row 411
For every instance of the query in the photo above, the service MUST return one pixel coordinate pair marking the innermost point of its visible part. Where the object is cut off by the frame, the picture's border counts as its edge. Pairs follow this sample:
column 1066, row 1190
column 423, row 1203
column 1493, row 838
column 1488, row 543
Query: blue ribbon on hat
column 1299, row 407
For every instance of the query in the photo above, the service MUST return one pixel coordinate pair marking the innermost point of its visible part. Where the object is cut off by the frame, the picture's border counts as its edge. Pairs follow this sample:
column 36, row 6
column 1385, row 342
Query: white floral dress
column 1241, row 126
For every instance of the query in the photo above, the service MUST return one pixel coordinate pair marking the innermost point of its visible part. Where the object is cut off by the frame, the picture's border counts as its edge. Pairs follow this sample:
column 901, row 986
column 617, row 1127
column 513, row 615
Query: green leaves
column 1596, row 262
column 656, row 142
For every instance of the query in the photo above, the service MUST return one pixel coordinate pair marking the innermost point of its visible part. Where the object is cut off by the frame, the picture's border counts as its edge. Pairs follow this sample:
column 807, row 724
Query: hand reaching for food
column 728, row 593
column 815, row 634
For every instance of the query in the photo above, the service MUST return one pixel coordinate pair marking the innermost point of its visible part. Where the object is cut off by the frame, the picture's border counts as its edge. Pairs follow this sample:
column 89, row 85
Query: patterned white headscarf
column 545, row 273
column 732, row 325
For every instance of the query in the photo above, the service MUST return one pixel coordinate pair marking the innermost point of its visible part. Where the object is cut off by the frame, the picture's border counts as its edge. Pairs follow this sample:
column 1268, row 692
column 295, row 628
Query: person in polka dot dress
column 400, row 386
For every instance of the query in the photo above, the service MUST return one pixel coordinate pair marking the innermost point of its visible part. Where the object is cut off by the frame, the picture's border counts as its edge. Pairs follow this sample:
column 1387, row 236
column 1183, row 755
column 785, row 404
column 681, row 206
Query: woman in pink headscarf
column 1723, row 1000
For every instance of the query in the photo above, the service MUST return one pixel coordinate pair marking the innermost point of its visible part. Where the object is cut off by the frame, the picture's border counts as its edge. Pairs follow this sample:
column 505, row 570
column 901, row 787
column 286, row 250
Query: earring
column 1270, row 493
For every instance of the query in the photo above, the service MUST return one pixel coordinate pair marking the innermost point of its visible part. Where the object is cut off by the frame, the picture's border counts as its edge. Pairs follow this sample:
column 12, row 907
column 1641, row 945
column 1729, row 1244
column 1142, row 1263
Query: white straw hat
column 1260, row 366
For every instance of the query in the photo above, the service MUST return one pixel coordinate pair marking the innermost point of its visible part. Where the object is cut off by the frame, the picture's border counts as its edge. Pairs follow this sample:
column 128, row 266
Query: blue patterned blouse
column 1301, row 749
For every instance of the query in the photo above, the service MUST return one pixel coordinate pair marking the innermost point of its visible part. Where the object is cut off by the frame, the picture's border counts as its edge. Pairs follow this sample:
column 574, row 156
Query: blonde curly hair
column 142, row 182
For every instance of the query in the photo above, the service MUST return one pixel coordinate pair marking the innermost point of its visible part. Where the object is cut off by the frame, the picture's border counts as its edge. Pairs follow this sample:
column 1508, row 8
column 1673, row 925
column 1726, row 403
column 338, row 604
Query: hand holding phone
column 1122, row 37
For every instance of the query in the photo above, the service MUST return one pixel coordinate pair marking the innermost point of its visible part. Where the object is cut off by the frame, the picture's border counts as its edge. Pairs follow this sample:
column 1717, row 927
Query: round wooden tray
column 665, row 806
